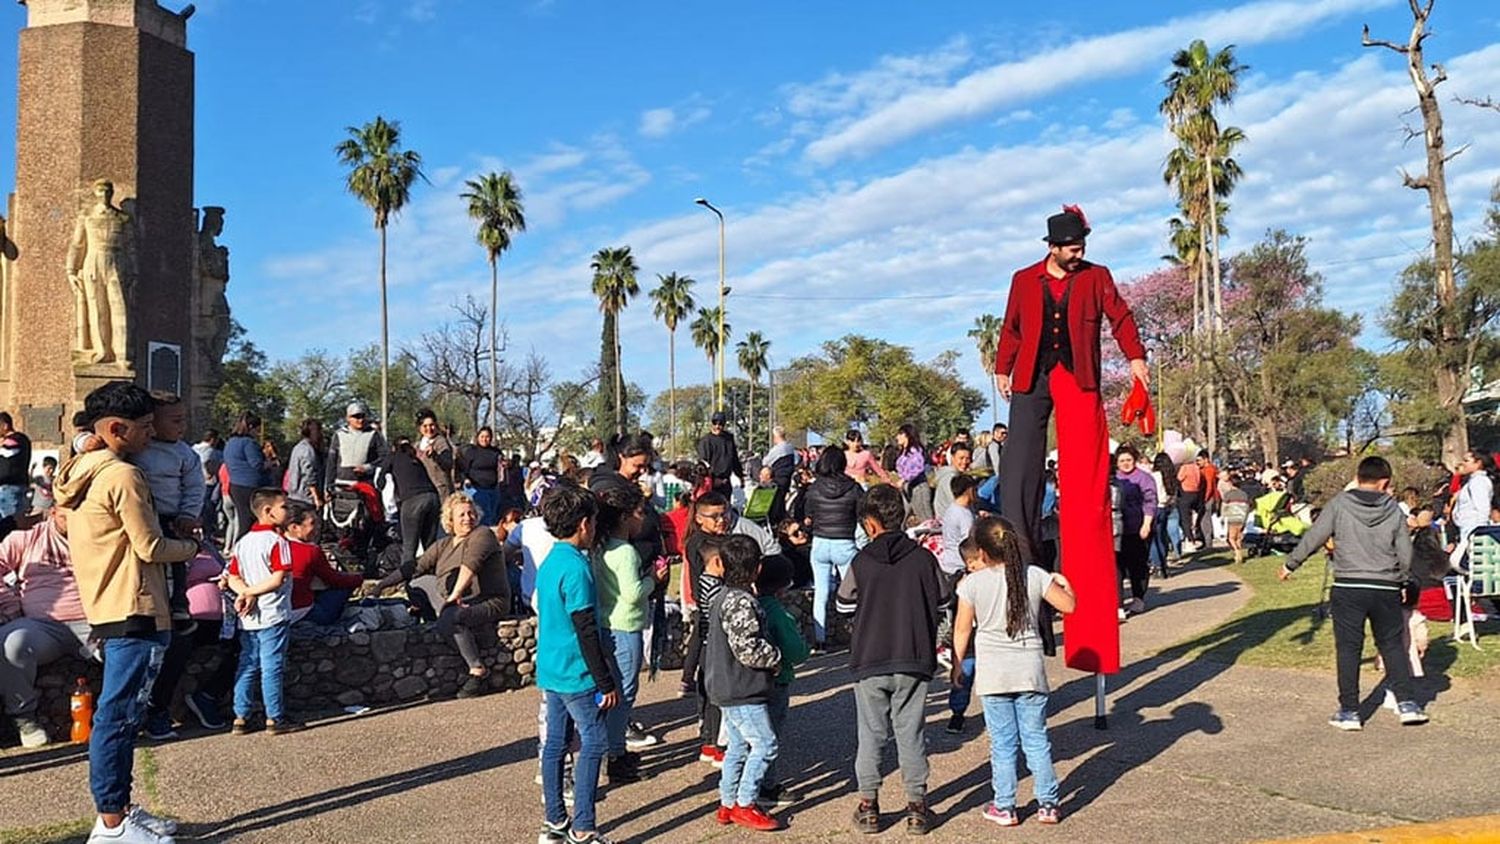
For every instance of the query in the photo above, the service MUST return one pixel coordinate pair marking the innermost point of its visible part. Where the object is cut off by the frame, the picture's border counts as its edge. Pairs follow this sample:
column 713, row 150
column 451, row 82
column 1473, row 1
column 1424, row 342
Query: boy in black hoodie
column 1371, row 564
column 897, row 595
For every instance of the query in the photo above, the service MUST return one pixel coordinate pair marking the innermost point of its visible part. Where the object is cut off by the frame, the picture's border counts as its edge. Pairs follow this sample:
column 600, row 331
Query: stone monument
column 101, row 270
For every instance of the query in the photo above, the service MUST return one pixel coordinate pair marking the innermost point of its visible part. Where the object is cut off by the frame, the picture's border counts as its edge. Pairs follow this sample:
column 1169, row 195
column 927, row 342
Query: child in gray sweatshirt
column 1371, row 561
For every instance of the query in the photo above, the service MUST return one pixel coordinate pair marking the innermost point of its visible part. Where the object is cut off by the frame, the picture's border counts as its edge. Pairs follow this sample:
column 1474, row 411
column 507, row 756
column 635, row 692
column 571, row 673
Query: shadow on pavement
column 390, row 785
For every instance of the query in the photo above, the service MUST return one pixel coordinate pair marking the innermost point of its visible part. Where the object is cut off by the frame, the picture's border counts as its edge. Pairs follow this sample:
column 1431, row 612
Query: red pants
column 1091, row 634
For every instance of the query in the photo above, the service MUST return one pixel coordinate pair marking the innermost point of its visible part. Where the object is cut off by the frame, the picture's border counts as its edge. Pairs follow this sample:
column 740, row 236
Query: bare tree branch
column 1487, row 102
column 1367, row 41
column 1456, row 153
column 1415, row 182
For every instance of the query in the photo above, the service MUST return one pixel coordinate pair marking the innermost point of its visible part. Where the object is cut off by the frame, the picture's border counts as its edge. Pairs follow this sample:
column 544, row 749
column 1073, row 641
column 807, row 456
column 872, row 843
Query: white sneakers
column 33, row 735
column 133, row 830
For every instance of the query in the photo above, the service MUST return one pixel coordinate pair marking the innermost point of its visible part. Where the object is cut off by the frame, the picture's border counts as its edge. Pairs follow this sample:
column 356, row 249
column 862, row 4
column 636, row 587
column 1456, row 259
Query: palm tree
column 381, row 174
column 495, row 203
column 673, row 301
column 1203, row 171
column 986, row 334
column 614, row 283
column 753, row 352
column 705, row 328
column 1199, row 81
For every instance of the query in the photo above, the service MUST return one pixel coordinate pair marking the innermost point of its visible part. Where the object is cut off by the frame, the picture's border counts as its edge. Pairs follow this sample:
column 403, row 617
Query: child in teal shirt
column 783, row 631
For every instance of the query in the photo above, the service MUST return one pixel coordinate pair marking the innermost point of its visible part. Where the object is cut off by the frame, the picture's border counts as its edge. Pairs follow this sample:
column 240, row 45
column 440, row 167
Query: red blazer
column 1094, row 297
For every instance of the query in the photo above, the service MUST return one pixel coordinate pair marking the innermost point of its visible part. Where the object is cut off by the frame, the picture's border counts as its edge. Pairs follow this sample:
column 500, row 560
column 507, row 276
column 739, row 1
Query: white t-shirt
column 259, row 553
column 535, row 542
column 1005, row 665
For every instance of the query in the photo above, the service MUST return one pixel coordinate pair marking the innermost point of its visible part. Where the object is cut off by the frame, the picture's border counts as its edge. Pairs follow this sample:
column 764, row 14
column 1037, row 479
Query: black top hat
column 1068, row 227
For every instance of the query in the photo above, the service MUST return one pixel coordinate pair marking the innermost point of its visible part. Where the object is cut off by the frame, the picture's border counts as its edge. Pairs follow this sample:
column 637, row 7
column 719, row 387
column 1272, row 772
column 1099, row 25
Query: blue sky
column 884, row 165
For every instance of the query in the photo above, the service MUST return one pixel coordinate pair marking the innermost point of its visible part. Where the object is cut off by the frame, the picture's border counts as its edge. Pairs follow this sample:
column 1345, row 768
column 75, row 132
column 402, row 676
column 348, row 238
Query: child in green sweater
column 785, row 634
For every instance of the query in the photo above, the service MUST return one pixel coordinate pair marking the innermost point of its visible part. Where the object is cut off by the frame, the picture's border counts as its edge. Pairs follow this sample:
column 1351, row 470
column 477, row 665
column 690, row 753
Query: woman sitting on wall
column 462, row 578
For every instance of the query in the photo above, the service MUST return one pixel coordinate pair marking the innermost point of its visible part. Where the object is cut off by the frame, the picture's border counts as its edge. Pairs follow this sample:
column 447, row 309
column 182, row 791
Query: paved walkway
column 1195, row 752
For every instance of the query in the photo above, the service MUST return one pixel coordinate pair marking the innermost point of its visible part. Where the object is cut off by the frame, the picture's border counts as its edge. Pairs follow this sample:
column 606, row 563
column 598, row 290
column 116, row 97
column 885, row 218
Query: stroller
column 356, row 517
column 1280, row 528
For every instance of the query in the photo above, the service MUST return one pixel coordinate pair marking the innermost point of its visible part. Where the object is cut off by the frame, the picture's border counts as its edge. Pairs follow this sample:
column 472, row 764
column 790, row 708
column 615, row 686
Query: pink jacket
column 43, row 573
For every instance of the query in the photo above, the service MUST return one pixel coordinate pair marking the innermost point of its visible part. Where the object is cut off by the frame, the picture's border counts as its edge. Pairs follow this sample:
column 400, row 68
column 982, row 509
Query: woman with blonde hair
column 471, row 581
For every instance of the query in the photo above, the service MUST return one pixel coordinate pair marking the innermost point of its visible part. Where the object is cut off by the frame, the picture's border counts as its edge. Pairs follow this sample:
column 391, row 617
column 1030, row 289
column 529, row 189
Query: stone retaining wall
column 338, row 669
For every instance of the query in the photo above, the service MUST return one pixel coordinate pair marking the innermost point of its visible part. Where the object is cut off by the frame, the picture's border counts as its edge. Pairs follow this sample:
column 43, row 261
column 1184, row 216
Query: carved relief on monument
column 210, row 279
column 101, row 270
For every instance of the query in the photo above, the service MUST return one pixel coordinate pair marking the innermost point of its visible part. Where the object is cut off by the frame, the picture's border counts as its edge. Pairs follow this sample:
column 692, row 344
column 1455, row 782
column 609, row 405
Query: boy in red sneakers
column 740, row 666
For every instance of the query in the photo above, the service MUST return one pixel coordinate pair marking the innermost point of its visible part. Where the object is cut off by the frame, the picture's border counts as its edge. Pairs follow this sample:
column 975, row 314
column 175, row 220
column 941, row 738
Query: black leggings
column 1190, row 512
column 243, row 517
column 461, row 622
column 1133, row 560
column 419, row 523
column 180, row 651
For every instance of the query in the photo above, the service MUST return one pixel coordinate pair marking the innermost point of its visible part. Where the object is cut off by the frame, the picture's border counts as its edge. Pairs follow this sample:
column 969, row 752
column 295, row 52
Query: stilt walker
column 1048, row 359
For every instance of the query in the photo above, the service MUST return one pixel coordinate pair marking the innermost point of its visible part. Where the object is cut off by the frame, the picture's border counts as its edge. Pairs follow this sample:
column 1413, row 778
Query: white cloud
column 661, row 122
column 989, row 89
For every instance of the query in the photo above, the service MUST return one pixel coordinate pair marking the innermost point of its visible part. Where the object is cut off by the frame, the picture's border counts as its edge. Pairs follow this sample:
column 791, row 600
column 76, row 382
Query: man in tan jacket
column 118, row 551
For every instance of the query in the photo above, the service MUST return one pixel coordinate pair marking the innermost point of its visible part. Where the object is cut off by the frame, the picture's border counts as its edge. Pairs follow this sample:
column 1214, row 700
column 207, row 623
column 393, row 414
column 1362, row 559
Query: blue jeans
column 328, row 606
column 130, row 668
column 960, row 695
column 1012, row 719
column 752, row 747
column 581, row 712
column 778, row 705
column 488, row 503
column 830, row 564
column 12, row 500
column 262, row 652
column 629, row 649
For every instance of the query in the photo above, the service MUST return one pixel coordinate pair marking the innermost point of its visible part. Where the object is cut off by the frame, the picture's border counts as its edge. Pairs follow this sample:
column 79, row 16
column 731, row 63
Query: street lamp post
column 719, row 357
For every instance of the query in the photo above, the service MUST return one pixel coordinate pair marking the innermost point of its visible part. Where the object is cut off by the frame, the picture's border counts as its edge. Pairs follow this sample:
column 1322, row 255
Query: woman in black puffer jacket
column 833, row 502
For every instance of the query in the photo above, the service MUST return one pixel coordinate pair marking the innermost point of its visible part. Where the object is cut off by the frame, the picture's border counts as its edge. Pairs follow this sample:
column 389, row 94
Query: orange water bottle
column 82, row 705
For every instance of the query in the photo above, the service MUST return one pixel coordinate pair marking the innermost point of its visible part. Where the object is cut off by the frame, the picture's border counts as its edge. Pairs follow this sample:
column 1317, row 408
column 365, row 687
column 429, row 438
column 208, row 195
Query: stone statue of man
column 100, row 269
column 211, row 267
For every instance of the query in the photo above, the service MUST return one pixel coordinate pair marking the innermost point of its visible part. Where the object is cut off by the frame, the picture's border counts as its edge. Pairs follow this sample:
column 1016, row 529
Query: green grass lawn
column 1279, row 629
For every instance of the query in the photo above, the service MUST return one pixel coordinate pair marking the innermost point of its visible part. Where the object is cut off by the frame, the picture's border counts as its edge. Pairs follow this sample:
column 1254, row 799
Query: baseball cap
column 718, row 417
column 357, row 408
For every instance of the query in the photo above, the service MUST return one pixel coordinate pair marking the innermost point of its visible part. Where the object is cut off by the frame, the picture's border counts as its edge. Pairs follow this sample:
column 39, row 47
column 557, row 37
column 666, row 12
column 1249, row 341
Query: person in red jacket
column 310, row 564
column 1048, row 357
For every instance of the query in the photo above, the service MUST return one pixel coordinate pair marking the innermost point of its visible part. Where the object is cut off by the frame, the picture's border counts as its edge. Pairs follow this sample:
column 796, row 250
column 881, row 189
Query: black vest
column 1057, row 347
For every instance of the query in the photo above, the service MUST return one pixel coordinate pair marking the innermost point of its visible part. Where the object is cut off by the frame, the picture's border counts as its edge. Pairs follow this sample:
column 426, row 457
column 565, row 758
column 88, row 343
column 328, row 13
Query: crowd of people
column 121, row 559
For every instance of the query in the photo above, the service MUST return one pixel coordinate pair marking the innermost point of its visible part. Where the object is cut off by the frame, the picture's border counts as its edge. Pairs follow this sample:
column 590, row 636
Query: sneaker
column 637, row 738
column 1049, row 813
column 158, row 825
column 867, row 817
column 241, row 727
column 622, row 770
column 594, row 837
column 33, row 734
column 1123, row 615
column 130, row 831
column 159, row 727
column 1410, row 712
column 918, row 819
column 284, row 726
column 1137, row 606
column 1346, row 719
column 1004, row 817
column 1390, row 702
column 553, row 833
column 473, row 687
column 753, row 817
column 945, row 658
column 711, row 754
column 205, row 709
column 955, row 724
column 724, row 815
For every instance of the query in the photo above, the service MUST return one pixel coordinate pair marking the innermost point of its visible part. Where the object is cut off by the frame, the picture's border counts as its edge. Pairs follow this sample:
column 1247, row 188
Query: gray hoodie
column 1373, row 545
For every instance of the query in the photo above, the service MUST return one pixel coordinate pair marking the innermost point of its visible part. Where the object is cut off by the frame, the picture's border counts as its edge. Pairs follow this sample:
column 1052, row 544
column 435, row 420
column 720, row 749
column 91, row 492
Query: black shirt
column 410, row 475
column 15, row 460
column 480, row 464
